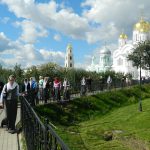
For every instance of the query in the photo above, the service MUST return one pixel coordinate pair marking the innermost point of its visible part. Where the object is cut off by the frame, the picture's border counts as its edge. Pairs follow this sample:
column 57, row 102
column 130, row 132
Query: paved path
column 8, row 141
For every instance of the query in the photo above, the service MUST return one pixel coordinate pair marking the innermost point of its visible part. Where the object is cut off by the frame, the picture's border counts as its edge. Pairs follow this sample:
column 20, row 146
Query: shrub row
column 84, row 108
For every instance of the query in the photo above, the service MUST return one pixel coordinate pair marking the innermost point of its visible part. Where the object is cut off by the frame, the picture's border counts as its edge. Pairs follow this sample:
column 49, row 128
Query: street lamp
column 140, row 98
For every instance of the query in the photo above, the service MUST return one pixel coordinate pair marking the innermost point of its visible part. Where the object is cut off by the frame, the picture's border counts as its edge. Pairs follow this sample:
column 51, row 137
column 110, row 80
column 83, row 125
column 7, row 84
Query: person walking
column 26, row 88
column 83, row 86
column 102, row 83
column 1, row 88
column 46, row 87
column 109, row 81
column 66, row 92
column 41, row 88
column 33, row 91
column 89, row 84
column 57, row 89
column 11, row 92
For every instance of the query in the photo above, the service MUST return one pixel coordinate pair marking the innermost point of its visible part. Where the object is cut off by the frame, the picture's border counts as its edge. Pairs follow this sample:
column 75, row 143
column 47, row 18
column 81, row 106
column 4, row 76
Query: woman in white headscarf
column 10, row 95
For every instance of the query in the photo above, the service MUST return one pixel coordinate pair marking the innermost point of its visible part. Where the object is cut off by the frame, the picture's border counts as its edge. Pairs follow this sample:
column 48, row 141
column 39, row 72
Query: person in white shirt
column 109, row 81
column 46, row 87
column 41, row 88
column 66, row 92
column 25, row 87
column 10, row 95
column 83, row 86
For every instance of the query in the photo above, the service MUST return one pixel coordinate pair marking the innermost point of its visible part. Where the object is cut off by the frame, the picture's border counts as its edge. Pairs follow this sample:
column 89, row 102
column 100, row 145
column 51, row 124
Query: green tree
column 140, row 56
column 18, row 72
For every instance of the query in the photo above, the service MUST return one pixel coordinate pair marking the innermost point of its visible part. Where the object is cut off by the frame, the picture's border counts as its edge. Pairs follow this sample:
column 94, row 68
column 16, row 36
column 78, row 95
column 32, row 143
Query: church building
column 118, row 61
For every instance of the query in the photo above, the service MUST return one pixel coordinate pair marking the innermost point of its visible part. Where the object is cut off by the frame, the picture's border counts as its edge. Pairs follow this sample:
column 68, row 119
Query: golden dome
column 142, row 26
column 123, row 36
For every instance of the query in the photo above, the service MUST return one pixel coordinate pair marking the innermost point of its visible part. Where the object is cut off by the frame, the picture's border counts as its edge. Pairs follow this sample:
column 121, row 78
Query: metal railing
column 38, row 136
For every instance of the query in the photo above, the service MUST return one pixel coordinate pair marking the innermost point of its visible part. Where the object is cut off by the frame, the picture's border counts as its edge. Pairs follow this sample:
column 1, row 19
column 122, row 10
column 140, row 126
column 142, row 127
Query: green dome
column 69, row 46
column 105, row 51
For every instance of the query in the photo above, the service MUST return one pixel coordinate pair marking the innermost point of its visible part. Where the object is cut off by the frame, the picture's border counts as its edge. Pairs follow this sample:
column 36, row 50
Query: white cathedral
column 117, row 60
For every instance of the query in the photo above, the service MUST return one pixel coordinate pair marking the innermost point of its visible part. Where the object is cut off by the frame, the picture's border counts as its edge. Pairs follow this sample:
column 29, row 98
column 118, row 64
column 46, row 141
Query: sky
column 34, row 32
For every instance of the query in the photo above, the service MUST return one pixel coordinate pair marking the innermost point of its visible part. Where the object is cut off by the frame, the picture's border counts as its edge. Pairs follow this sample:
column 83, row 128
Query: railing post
column 46, row 134
column 38, row 136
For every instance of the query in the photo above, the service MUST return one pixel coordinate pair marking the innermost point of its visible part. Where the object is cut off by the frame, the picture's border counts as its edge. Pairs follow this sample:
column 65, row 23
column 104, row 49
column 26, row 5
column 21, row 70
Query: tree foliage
column 52, row 70
column 140, row 56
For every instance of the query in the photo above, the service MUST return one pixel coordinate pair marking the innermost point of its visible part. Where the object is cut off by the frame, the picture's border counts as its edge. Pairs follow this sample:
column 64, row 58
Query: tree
column 141, row 59
column 140, row 56
column 18, row 72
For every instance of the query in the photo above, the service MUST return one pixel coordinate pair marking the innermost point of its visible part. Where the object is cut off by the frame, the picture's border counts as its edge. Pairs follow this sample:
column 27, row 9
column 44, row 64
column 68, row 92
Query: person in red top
column 57, row 88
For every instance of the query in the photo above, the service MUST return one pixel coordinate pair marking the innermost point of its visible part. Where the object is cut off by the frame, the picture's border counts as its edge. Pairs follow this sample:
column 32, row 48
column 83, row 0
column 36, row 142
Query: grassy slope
column 134, row 127
column 83, row 122
column 129, row 126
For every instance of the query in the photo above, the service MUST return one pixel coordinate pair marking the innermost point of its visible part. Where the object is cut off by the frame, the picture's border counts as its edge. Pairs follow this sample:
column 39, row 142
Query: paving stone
column 8, row 141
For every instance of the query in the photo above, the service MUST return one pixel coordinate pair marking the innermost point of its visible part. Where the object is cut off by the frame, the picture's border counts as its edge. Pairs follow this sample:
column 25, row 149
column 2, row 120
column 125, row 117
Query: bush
column 85, row 108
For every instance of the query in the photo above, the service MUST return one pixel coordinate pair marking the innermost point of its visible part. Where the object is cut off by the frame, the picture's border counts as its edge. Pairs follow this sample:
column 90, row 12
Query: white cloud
column 31, row 31
column 53, row 56
column 26, row 54
column 108, row 32
column 57, row 37
column 5, row 43
column 49, row 15
column 122, row 14
column 111, row 15
column 101, row 20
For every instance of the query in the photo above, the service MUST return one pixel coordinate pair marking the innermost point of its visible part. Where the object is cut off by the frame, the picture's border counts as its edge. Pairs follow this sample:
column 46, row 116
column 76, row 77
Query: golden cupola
column 123, row 36
column 142, row 26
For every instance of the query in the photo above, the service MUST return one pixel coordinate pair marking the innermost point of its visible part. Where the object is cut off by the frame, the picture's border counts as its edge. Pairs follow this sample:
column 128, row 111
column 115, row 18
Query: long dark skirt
column 66, row 94
column 46, row 94
column 11, row 111
column 83, row 90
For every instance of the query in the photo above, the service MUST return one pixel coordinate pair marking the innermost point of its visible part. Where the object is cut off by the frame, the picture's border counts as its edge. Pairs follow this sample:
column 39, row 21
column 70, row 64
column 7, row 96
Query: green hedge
column 82, row 109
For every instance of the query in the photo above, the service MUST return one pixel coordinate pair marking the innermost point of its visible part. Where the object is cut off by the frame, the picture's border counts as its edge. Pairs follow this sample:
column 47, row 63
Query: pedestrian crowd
column 34, row 91
column 40, row 91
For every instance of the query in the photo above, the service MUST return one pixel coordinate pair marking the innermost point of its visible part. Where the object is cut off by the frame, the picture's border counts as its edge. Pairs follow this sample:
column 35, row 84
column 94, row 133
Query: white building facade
column 104, row 62
column 120, row 63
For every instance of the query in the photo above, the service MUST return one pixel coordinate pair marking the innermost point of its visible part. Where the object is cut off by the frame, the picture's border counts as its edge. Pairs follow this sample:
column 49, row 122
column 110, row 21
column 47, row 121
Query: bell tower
column 69, row 61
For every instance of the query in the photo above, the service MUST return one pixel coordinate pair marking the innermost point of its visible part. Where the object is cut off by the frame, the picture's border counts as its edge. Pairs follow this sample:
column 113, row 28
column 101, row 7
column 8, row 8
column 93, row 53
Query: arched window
column 120, row 62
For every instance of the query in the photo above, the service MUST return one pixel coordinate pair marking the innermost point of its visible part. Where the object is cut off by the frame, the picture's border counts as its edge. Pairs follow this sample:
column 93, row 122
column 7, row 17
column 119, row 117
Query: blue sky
column 34, row 32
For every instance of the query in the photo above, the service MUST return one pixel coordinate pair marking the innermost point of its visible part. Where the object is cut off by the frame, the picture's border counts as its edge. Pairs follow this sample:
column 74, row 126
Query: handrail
column 38, row 136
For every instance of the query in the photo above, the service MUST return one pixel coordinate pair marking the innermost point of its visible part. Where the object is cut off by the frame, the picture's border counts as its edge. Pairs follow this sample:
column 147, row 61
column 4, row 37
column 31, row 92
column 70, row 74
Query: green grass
column 130, row 130
column 131, row 124
column 84, row 122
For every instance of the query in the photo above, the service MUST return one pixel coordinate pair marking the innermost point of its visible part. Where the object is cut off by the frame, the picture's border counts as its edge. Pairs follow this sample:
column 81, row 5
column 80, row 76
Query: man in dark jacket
column 1, row 86
column 26, row 86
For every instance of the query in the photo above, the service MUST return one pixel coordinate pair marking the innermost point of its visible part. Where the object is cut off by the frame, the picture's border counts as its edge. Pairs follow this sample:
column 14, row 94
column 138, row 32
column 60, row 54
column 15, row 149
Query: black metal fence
column 98, row 86
column 38, row 136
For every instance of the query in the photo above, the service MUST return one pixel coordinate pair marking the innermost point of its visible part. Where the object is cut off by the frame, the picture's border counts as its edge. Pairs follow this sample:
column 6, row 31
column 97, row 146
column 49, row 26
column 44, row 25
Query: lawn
column 106, row 121
column 129, row 129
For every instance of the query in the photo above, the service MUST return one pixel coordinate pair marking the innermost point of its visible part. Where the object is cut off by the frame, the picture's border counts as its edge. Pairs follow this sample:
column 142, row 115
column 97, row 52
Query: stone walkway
column 8, row 141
